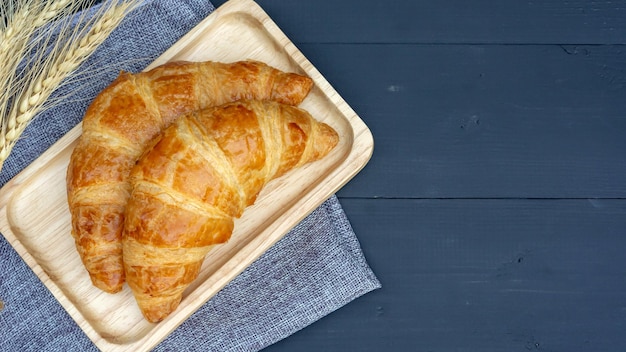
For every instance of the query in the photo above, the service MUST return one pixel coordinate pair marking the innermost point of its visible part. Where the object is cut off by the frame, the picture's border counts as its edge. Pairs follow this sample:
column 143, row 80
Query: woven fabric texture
column 315, row 269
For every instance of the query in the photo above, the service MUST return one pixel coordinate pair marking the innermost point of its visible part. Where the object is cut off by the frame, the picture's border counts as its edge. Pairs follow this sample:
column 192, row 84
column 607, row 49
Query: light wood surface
column 34, row 216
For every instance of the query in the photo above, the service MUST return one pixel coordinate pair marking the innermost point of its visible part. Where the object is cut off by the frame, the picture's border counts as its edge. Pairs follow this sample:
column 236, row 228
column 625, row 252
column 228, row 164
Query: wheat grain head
column 72, row 46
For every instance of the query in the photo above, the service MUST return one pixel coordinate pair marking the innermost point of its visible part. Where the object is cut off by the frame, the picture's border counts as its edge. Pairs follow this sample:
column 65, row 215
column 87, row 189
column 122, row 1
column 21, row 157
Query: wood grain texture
column 450, row 21
column 463, row 121
column 476, row 100
column 35, row 216
column 483, row 275
column 471, row 100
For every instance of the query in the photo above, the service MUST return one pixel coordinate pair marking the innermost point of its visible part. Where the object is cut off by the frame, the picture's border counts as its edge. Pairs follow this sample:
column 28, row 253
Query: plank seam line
column 482, row 198
column 461, row 44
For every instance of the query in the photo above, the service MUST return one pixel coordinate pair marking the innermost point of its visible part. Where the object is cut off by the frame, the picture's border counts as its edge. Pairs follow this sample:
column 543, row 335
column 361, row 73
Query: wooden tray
column 34, row 216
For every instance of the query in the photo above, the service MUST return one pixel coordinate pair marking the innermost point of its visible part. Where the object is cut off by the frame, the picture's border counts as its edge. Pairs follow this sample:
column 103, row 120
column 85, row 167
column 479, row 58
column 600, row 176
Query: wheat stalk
column 12, row 47
column 26, row 18
column 24, row 91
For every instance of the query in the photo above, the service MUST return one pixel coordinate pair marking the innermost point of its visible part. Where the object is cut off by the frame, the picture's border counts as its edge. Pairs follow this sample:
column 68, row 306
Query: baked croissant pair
column 169, row 157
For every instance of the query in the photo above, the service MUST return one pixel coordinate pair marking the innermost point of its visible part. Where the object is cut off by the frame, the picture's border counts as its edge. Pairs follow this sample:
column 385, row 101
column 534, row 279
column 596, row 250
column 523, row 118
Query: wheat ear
column 23, row 22
column 18, row 35
column 48, row 74
column 13, row 45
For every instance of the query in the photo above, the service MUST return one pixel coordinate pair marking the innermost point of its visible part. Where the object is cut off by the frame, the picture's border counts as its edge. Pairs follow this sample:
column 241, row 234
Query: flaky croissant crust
column 199, row 175
column 119, row 124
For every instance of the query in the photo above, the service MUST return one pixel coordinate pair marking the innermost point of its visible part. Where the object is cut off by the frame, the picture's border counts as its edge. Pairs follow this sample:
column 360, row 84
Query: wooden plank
column 483, row 120
column 450, row 21
column 483, row 275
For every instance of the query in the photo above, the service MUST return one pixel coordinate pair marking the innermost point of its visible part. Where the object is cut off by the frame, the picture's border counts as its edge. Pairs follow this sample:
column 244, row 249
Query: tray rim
column 349, row 166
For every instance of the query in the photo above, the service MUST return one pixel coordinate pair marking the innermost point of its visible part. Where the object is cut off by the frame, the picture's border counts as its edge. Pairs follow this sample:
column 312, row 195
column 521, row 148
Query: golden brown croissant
column 197, row 177
column 120, row 122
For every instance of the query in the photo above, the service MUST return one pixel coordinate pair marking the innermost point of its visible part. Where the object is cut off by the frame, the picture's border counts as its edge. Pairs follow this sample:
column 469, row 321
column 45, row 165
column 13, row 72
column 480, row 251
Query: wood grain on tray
column 35, row 217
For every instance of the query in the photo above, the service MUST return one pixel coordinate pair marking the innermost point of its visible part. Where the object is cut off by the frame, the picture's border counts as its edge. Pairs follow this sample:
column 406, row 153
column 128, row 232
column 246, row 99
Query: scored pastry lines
column 271, row 132
column 142, row 84
column 110, row 138
column 214, row 156
column 148, row 254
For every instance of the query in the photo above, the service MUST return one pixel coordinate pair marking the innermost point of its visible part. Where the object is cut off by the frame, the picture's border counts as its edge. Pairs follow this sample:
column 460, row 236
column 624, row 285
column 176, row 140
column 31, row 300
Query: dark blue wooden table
column 493, row 210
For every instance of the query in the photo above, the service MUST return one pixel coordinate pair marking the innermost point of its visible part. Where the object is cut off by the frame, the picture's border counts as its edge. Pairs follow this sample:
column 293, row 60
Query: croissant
column 120, row 122
column 198, row 176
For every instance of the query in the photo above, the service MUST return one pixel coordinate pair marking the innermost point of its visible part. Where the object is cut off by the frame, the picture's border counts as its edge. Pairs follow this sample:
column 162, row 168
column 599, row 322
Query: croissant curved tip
column 291, row 88
column 327, row 140
column 155, row 309
column 113, row 283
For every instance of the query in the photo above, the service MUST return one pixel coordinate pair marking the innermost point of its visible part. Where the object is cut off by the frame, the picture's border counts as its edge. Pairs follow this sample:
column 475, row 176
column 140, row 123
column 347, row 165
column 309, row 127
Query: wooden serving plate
column 34, row 215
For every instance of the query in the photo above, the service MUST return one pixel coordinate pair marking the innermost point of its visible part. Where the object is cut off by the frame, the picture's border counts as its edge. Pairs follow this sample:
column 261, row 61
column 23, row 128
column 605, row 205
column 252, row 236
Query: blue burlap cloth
column 315, row 269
